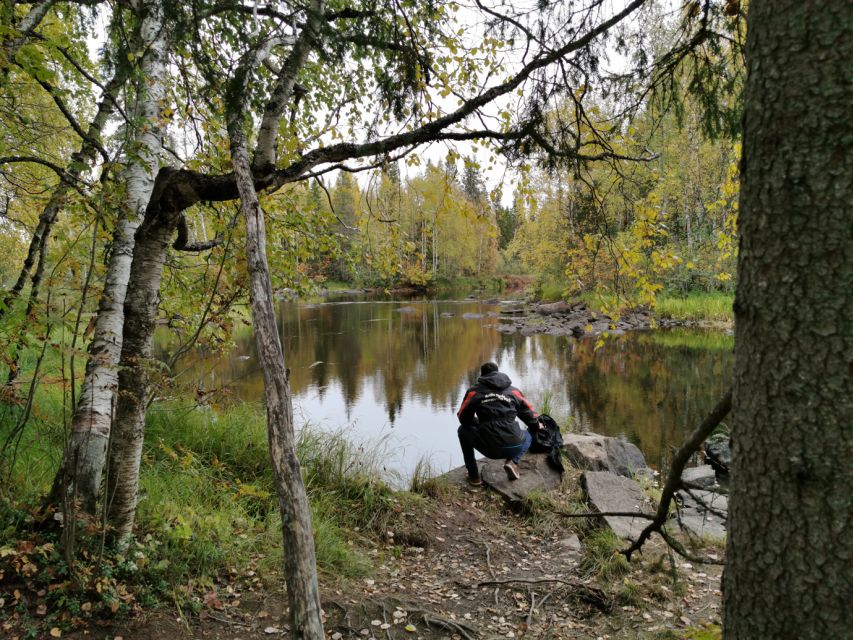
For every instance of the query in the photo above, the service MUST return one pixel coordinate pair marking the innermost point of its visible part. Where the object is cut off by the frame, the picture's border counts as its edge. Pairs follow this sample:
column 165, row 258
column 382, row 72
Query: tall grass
column 699, row 305
column 207, row 495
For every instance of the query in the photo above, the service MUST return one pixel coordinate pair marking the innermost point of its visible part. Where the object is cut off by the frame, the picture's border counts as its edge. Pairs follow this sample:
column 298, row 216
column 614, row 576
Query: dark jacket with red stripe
column 492, row 405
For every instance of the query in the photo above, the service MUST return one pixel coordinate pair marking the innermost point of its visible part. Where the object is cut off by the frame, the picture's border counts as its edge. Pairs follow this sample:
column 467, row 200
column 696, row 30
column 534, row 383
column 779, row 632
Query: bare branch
column 679, row 461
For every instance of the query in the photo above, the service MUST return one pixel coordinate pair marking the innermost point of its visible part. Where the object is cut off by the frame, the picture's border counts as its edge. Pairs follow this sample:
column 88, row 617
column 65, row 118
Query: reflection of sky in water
column 393, row 379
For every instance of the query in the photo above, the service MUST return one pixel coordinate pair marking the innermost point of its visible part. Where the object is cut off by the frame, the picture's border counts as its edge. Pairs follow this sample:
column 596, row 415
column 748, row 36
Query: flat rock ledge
column 703, row 513
column 606, row 492
column 537, row 475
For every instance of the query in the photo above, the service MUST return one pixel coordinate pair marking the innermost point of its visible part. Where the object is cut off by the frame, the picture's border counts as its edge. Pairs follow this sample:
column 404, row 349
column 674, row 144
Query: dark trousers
column 469, row 440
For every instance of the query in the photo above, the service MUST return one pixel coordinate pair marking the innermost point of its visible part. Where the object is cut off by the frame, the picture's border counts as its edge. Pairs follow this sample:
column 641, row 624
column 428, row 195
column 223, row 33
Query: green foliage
column 601, row 557
column 706, row 632
column 551, row 291
column 697, row 305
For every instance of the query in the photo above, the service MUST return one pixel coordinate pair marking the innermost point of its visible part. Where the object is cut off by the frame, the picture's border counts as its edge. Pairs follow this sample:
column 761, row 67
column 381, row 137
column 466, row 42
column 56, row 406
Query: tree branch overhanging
column 673, row 480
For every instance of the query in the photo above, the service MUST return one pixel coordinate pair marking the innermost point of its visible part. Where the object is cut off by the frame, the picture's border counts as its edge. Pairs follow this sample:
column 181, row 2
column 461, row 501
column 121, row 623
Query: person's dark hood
column 495, row 380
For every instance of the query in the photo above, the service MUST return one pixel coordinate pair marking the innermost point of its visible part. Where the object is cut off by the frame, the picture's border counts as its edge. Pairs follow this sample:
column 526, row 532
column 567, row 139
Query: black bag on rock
column 548, row 439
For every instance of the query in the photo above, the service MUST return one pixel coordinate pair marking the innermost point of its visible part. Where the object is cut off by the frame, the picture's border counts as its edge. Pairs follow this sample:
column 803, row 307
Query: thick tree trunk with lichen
column 790, row 549
column 79, row 477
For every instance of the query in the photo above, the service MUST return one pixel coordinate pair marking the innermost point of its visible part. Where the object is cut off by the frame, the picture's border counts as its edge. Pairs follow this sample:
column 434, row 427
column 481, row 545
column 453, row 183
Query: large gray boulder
column 607, row 492
column 551, row 308
column 701, row 477
column 703, row 513
column 536, row 475
column 593, row 452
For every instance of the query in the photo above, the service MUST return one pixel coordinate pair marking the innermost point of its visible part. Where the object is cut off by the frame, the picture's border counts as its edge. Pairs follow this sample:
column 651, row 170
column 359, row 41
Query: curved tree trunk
column 84, row 457
column 135, row 368
column 790, row 550
column 300, row 566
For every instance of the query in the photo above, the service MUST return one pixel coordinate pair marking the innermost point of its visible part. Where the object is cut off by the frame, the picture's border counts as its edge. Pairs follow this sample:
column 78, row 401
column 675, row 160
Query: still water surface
column 393, row 374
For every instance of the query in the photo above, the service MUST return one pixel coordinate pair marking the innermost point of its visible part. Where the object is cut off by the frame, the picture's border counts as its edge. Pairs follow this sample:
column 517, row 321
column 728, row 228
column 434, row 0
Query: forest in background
column 618, row 234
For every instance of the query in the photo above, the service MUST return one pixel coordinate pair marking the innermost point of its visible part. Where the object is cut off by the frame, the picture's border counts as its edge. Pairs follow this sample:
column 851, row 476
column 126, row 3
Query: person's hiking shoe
column 475, row 481
column 511, row 470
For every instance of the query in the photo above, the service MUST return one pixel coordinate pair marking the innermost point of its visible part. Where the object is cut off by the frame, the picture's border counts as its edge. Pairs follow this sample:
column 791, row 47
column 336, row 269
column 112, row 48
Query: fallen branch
column 571, row 583
column 532, row 608
column 673, row 480
column 676, row 546
column 236, row 623
column 432, row 619
column 705, row 506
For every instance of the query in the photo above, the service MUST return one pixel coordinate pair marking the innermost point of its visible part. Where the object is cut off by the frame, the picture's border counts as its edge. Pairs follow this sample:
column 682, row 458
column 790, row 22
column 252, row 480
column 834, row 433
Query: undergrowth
column 207, row 509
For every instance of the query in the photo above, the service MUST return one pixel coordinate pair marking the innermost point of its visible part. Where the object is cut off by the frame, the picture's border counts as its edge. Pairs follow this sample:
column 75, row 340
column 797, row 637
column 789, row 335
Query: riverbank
column 578, row 319
column 207, row 561
column 542, row 309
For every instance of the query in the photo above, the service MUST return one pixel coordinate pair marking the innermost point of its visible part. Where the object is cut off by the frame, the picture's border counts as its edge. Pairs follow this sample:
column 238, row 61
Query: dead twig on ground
column 452, row 625
column 601, row 514
column 236, row 623
column 488, row 564
column 532, row 608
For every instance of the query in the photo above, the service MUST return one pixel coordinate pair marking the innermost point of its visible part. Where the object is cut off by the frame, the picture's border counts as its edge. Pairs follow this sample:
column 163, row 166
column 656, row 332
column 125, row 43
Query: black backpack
column 548, row 439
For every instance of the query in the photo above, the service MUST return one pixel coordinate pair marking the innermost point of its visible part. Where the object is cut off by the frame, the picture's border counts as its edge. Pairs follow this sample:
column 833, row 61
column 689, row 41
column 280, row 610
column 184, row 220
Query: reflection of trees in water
column 651, row 391
column 415, row 353
column 652, row 387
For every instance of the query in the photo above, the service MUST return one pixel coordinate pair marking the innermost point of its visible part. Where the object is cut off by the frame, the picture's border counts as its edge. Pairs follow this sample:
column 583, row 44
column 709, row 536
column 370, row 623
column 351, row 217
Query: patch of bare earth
column 466, row 568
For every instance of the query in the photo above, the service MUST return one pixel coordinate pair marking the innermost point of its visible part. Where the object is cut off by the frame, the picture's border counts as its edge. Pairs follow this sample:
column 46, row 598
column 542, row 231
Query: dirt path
column 429, row 583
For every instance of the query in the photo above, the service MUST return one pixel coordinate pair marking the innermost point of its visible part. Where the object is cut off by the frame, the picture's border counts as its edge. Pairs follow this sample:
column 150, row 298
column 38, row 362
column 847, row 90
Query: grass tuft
column 601, row 557
column 425, row 482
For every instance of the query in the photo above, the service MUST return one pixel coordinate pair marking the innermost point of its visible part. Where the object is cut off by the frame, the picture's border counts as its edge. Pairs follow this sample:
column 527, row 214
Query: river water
column 393, row 373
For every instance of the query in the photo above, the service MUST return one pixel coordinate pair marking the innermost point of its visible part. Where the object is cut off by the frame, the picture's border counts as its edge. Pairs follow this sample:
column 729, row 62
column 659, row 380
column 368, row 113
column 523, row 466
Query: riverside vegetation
column 208, row 546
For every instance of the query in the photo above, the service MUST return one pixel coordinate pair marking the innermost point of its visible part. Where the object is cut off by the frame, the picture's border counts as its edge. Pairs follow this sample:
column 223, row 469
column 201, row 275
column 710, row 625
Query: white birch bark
column 300, row 565
column 85, row 454
column 135, row 368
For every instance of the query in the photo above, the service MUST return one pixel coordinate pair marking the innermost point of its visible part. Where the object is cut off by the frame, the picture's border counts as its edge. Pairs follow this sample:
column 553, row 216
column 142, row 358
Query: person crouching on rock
column 487, row 422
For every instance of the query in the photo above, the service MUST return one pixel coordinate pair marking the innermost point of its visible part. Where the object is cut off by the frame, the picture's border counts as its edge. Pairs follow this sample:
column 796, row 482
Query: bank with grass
column 207, row 551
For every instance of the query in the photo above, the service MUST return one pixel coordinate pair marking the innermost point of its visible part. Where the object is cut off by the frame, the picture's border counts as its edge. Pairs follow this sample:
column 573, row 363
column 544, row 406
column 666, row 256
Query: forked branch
column 673, row 480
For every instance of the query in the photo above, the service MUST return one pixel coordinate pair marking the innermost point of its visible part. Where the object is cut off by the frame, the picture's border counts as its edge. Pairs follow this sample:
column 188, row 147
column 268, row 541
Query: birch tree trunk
column 135, row 370
column 789, row 550
column 300, row 567
column 79, row 477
